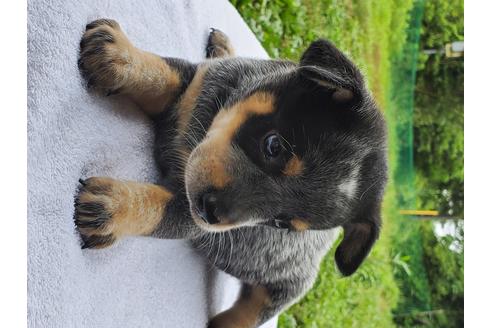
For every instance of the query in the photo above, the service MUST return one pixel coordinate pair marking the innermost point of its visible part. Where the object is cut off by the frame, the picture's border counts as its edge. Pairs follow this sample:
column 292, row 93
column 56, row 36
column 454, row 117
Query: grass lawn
column 370, row 32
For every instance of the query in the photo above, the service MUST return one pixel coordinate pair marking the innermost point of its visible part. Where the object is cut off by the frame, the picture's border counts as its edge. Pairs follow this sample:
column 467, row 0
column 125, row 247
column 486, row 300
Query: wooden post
column 420, row 212
column 427, row 215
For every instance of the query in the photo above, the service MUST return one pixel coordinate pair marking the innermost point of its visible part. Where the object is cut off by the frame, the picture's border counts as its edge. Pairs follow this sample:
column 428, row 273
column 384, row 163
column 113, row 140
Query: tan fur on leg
column 110, row 62
column 108, row 209
column 246, row 311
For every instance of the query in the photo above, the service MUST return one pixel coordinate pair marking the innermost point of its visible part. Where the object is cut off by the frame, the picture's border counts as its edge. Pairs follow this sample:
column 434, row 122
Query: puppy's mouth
column 212, row 207
column 219, row 227
column 277, row 224
column 223, row 224
column 208, row 221
column 207, row 216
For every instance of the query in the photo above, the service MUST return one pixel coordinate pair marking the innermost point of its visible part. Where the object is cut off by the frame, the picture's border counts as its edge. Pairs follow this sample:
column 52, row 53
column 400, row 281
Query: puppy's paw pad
column 102, row 58
column 219, row 44
column 96, row 241
column 94, row 211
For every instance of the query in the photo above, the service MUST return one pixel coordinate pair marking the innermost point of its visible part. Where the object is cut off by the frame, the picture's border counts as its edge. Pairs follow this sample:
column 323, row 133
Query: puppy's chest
column 262, row 253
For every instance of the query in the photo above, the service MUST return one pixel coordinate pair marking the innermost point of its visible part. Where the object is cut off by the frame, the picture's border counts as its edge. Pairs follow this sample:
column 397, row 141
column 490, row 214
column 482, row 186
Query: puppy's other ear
column 358, row 239
column 323, row 65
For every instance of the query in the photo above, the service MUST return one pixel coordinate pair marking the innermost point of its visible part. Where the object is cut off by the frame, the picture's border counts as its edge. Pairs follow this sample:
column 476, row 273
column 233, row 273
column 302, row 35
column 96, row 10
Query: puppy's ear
column 358, row 239
column 326, row 68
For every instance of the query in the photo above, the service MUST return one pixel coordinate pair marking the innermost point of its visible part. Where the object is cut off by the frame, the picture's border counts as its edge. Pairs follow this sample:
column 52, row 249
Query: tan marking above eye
column 228, row 121
column 215, row 148
column 299, row 224
column 293, row 167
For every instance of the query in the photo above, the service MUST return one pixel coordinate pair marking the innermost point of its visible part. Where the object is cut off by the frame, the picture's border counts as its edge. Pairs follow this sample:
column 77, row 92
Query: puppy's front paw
column 105, row 56
column 107, row 209
column 98, row 208
column 219, row 45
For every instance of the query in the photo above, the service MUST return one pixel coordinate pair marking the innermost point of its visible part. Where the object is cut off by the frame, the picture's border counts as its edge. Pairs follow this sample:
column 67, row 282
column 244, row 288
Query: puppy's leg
column 219, row 45
column 256, row 305
column 107, row 209
column 110, row 62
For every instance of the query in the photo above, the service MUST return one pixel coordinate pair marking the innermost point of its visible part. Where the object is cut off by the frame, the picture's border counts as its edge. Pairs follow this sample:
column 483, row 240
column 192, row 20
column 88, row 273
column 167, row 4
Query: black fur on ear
column 323, row 65
column 358, row 239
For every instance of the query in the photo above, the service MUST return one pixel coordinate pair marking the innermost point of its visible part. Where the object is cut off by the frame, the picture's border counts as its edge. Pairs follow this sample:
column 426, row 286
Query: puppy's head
column 303, row 151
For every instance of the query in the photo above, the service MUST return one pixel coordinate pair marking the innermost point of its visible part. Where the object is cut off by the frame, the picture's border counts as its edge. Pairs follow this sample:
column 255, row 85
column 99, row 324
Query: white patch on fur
column 349, row 187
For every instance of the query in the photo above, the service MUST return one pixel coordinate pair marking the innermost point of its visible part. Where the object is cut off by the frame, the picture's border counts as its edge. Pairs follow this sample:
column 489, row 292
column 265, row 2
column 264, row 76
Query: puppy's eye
column 279, row 224
column 272, row 146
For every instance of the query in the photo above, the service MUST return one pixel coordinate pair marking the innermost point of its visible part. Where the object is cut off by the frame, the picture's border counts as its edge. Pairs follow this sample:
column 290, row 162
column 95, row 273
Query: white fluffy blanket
column 141, row 282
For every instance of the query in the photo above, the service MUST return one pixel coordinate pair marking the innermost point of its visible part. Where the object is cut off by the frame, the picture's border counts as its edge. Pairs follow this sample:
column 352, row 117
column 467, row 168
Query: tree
column 438, row 113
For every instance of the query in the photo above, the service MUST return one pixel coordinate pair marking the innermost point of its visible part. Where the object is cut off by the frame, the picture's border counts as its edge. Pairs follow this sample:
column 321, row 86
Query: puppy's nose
column 207, row 208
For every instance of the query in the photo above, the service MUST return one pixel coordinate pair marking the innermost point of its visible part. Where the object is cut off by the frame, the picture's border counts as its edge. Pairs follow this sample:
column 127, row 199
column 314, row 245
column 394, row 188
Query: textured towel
column 140, row 282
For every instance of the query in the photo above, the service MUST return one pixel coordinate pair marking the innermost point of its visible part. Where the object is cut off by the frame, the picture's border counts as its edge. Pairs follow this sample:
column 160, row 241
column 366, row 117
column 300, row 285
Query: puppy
column 269, row 155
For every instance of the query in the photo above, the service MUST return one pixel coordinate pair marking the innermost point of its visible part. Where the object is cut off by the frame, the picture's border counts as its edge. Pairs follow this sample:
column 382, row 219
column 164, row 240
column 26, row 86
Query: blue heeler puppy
column 268, row 155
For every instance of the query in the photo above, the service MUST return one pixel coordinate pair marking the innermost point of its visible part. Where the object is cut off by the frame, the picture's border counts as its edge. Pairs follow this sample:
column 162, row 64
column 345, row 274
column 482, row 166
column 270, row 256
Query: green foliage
column 361, row 29
column 277, row 24
column 403, row 281
column 443, row 23
column 411, row 247
column 439, row 112
column 370, row 32
column 444, row 261
column 365, row 299
column 414, row 283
